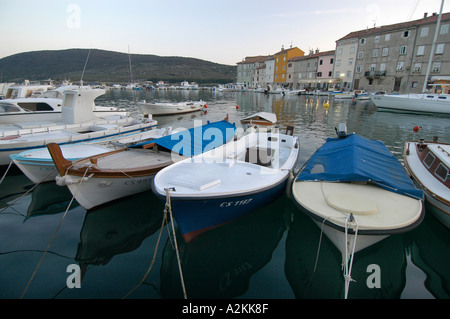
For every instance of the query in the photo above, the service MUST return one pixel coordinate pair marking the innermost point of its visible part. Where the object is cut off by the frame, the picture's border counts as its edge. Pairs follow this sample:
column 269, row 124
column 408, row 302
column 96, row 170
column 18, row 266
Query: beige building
column 395, row 58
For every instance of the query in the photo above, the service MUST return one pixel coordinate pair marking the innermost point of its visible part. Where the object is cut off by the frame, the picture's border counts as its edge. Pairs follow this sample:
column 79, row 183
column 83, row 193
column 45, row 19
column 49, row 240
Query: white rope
column 348, row 267
column 6, row 172
column 169, row 206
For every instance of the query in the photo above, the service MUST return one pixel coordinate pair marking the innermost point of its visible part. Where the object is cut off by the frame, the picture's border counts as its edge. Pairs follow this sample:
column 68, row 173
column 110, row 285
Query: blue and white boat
column 102, row 178
column 357, row 192
column 228, row 182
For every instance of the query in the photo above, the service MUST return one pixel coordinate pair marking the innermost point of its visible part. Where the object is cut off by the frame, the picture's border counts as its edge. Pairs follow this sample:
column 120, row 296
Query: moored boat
column 103, row 178
column 428, row 164
column 78, row 124
column 415, row 103
column 264, row 120
column 358, row 192
column 170, row 108
column 228, row 182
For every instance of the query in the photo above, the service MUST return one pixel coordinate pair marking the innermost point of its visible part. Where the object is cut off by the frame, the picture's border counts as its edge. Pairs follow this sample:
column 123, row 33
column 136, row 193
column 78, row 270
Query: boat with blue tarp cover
column 224, row 184
column 103, row 178
column 357, row 190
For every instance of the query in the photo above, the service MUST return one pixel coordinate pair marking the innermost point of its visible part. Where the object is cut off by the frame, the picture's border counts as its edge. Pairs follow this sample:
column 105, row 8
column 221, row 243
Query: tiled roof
column 255, row 59
column 398, row 26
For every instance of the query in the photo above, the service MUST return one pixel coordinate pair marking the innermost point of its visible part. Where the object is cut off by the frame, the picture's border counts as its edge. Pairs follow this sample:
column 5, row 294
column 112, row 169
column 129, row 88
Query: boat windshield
column 8, row 108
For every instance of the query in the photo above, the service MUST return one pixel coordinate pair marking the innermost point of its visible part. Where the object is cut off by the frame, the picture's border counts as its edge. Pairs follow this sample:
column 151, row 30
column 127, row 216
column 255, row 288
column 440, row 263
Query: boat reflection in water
column 327, row 281
column 117, row 229
column 220, row 263
column 429, row 249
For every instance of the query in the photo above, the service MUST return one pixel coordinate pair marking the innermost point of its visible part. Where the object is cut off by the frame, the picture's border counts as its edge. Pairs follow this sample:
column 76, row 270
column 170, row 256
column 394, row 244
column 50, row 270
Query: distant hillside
column 111, row 67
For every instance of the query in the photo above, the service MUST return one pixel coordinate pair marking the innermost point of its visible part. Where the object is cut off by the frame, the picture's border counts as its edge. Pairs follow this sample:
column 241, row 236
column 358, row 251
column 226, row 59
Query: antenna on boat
column 84, row 69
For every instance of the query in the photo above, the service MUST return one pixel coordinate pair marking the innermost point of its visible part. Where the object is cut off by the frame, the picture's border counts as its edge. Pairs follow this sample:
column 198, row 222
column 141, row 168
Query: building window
column 385, row 52
column 400, row 66
column 414, row 84
column 436, row 67
column 382, row 67
column 331, row 61
column 387, row 37
column 405, row 34
column 440, row 48
column 444, row 29
column 350, row 61
column 424, row 32
column 349, row 74
column 421, row 50
column 339, row 52
column 360, row 55
column 352, row 49
column 403, row 49
column 358, row 69
column 374, row 53
column 338, row 63
column 319, row 74
column 362, row 41
column 373, row 66
column 377, row 39
column 417, row 67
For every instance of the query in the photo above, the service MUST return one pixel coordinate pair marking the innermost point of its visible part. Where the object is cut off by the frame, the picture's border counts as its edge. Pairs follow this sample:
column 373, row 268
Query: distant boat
column 103, row 178
column 168, row 108
column 78, row 124
column 423, row 103
column 358, row 192
column 45, row 107
column 428, row 163
column 265, row 120
column 226, row 183
column 361, row 95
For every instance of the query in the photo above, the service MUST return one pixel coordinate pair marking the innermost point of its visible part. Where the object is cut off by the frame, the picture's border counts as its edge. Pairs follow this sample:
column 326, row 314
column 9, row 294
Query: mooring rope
column 348, row 268
column 169, row 205
column 51, row 240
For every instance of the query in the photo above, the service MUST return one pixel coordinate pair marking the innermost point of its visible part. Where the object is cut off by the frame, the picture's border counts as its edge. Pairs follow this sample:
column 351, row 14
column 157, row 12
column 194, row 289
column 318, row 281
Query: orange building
column 281, row 59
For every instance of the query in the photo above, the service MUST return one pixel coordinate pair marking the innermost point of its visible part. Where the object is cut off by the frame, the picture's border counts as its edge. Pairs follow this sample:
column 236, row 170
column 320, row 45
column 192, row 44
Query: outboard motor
column 342, row 131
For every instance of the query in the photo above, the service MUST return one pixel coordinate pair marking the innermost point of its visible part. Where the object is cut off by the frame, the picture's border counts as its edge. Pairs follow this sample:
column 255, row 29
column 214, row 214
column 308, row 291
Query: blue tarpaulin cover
column 356, row 158
column 198, row 139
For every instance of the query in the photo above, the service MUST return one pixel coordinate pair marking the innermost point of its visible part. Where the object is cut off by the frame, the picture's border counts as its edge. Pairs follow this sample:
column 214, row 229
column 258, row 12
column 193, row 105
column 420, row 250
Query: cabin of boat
column 435, row 158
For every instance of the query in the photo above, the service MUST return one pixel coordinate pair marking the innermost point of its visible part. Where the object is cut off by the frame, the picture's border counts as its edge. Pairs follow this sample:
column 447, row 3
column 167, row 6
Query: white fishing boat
column 422, row 103
column 361, row 95
column 45, row 107
column 103, row 178
column 428, row 164
column 226, row 183
column 27, row 90
column 264, row 120
column 79, row 124
column 357, row 192
column 170, row 108
column 38, row 166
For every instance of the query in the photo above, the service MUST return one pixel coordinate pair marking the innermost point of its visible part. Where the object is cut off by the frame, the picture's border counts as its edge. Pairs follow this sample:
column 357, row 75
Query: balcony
column 374, row 74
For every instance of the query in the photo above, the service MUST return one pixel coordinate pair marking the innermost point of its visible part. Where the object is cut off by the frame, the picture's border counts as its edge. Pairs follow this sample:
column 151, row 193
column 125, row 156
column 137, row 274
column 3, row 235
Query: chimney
column 425, row 15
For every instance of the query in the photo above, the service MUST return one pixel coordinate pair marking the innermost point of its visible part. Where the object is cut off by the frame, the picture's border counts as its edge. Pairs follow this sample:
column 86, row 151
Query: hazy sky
column 222, row 31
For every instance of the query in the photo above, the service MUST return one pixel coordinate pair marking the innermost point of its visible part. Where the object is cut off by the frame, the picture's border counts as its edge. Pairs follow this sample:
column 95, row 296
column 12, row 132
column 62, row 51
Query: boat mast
column 432, row 49
column 129, row 60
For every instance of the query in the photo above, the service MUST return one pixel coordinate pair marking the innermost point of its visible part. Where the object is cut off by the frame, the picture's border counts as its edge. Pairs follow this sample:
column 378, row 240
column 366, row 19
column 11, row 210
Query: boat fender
column 65, row 180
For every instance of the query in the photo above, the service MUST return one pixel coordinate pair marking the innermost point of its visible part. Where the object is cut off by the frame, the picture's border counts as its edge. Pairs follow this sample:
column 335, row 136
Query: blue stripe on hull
column 196, row 216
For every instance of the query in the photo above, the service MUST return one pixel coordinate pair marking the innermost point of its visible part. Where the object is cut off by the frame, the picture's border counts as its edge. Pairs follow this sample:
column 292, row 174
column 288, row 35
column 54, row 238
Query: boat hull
column 196, row 216
column 413, row 103
column 171, row 109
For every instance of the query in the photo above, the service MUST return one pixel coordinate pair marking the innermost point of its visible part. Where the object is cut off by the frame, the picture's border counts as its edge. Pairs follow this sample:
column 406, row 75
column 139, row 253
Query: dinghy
column 103, row 178
column 221, row 185
column 357, row 192
column 428, row 164
column 260, row 120
column 171, row 108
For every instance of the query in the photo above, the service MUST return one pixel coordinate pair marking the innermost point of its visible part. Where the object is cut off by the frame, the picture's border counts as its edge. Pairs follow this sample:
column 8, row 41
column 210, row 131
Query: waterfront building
column 344, row 66
column 281, row 63
column 395, row 58
column 246, row 69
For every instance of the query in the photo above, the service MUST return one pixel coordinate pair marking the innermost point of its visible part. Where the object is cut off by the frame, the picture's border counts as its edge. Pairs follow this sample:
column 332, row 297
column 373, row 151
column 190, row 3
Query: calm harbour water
column 270, row 253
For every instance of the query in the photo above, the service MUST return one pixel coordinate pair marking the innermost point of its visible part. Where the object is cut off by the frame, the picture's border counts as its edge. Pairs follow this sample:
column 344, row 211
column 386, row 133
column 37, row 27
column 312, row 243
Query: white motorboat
column 228, row 182
column 45, row 107
column 357, row 192
column 38, row 166
column 343, row 95
column 79, row 124
column 428, row 164
column 169, row 108
column 422, row 103
column 361, row 95
column 264, row 120
column 103, row 178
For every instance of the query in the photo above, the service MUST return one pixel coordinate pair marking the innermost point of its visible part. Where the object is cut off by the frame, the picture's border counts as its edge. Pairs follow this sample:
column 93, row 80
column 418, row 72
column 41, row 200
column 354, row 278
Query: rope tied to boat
column 348, row 256
column 168, row 207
